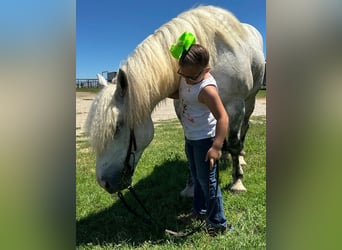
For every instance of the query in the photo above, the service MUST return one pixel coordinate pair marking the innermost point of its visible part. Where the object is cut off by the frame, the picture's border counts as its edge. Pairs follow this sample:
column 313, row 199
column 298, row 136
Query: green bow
column 184, row 43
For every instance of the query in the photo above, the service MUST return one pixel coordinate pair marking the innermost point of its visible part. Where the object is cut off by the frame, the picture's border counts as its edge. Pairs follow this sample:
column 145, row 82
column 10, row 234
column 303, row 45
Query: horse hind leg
column 228, row 157
column 237, row 175
column 249, row 108
column 236, row 111
column 242, row 160
column 244, row 129
column 237, row 171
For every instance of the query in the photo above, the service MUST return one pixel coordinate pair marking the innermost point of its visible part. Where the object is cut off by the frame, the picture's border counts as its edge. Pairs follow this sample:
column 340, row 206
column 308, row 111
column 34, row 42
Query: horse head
column 117, row 141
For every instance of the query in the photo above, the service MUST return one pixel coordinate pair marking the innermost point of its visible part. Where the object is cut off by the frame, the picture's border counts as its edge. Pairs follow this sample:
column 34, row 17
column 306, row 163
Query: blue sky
column 108, row 31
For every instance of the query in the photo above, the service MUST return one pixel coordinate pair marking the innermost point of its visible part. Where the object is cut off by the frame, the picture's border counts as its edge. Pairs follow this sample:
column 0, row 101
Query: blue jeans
column 205, row 182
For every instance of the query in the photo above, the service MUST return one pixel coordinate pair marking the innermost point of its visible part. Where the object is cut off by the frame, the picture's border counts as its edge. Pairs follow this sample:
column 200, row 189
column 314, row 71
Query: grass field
column 102, row 221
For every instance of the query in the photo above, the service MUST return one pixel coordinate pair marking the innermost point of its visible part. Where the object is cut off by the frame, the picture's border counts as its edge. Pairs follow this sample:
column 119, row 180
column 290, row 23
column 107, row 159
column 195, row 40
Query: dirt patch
column 164, row 111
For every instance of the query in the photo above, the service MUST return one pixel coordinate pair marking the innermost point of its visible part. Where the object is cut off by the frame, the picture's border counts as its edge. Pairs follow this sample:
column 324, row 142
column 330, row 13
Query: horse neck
column 166, row 88
column 153, row 70
column 147, row 93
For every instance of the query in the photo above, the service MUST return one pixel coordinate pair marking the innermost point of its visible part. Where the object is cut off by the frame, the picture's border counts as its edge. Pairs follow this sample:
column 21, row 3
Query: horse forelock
column 101, row 120
column 151, row 70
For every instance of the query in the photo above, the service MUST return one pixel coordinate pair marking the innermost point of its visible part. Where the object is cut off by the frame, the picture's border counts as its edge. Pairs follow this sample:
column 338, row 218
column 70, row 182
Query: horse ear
column 122, row 80
column 102, row 80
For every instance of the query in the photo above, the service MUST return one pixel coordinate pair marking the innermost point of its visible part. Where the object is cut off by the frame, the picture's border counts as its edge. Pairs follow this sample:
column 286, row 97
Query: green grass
column 102, row 222
column 91, row 90
column 261, row 93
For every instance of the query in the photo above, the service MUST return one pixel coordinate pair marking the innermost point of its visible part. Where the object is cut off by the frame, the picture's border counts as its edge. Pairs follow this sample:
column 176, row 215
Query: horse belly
column 232, row 82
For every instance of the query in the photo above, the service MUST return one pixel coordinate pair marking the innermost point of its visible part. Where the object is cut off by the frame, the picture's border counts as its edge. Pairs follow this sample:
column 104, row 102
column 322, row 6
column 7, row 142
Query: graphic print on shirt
column 185, row 113
column 197, row 120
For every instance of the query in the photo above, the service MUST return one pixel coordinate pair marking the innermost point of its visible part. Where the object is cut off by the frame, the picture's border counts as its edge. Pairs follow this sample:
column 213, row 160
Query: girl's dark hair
column 197, row 55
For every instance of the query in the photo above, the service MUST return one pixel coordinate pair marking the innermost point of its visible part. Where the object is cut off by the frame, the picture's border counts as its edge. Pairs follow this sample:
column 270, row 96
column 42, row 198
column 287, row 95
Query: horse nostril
column 106, row 186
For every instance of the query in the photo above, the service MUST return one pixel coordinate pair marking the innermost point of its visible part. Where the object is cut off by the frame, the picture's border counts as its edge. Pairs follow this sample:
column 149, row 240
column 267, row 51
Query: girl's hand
column 213, row 155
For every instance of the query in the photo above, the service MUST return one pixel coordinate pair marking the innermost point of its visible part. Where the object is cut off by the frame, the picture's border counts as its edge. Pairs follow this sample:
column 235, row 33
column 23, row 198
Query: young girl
column 205, row 123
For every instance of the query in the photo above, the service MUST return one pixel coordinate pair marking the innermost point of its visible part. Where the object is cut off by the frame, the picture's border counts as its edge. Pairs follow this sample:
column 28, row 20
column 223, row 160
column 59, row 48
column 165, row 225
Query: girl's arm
column 211, row 98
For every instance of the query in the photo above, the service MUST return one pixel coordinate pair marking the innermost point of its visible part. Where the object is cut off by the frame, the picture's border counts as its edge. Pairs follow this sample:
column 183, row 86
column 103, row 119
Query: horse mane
column 151, row 70
column 101, row 120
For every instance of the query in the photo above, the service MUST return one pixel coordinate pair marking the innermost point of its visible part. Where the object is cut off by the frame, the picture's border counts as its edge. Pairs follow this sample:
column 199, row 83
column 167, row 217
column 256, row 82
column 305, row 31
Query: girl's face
column 192, row 74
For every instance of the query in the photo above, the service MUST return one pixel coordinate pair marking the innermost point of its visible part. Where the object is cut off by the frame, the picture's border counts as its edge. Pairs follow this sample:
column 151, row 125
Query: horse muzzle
column 116, row 183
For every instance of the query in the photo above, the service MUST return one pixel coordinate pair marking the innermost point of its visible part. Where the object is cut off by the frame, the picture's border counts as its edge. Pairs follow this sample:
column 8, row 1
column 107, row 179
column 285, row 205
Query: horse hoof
column 238, row 187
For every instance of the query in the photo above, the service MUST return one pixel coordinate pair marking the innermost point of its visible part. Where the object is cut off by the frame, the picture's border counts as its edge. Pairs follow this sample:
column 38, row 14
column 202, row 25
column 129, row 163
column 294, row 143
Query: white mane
column 101, row 119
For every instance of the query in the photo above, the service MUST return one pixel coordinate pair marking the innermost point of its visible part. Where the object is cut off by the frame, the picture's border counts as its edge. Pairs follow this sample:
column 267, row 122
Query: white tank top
column 197, row 120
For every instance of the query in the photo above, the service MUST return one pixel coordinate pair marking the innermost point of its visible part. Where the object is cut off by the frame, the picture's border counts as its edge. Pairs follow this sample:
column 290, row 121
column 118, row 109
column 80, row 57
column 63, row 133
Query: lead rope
column 149, row 220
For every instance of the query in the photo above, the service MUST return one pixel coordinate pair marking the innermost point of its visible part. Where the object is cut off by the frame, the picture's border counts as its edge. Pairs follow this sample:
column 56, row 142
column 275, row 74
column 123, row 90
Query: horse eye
column 118, row 127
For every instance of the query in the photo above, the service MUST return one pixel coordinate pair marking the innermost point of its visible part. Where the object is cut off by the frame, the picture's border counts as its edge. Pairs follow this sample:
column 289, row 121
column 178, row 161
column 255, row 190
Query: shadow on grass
column 159, row 193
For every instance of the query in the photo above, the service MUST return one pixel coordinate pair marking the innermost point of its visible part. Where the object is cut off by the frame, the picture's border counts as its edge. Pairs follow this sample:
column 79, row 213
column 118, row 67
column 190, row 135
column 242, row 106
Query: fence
column 87, row 83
